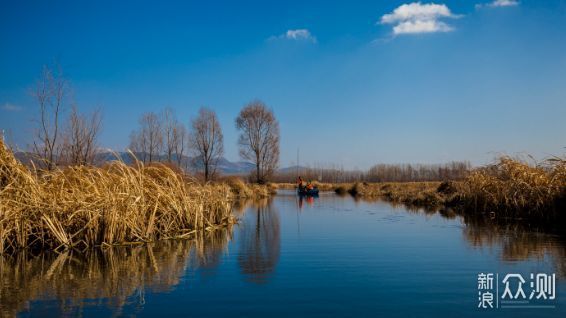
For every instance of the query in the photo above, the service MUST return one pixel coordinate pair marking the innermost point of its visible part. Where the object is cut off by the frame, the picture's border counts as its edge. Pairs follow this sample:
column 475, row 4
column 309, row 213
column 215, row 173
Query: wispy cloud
column 11, row 107
column 498, row 3
column 297, row 35
column 415, row 18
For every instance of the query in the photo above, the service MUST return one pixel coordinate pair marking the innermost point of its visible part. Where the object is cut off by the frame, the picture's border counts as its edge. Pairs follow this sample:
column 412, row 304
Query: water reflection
column 518, row 241
column 260, row 242
column 118, row 279
column 118, row 276
column 302, row 199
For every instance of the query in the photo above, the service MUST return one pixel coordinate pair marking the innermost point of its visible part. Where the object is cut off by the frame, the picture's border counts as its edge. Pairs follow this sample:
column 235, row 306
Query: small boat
column 309, row 192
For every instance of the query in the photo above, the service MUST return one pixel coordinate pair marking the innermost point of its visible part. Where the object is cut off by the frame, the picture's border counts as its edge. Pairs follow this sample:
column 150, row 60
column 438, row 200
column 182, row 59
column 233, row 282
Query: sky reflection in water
column 327, row 256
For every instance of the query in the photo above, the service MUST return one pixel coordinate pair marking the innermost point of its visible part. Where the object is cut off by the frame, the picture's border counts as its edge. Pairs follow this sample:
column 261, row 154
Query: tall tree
column 174, row 136
column 169, row 123
column 50, row 92
column 80, row 137
column 207, row 141
column 180, row 133
column 148, row 140
column 259, row 138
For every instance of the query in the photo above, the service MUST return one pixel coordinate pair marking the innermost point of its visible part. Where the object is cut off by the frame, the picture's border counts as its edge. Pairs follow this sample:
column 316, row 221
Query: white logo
column 540, row 290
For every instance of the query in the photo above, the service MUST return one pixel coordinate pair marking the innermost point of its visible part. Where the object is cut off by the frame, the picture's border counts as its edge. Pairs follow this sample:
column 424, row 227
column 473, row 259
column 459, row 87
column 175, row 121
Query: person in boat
column 300, row 183
column 310, row 186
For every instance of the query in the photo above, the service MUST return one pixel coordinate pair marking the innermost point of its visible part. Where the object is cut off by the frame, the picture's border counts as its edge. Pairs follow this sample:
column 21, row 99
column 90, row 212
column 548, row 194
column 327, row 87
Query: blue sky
column 352, row 83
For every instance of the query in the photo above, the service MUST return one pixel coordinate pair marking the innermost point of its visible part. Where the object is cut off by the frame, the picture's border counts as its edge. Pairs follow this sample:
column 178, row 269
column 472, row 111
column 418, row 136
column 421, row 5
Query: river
column 326, row 256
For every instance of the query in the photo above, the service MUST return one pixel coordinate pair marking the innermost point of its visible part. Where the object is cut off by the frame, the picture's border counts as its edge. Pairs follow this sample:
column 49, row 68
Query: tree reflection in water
column 260, row 242
column 517, row 241
column 118, row 275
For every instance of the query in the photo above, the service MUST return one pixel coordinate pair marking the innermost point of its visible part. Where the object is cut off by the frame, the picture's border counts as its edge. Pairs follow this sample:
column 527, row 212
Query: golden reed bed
column 81, row 207
column 509, row 187
column 517, row 188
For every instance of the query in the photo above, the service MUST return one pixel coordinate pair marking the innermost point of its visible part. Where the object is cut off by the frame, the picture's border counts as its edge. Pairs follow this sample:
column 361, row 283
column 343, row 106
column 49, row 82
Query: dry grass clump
column 238, row 187
column 413, row 193
column 410, row 193
column 323, row 186
column 272, row 188
column 243, row 190
column 341, row 189
column 88, row 206
column 363, row 189
column 261, row 190
column 517, row 188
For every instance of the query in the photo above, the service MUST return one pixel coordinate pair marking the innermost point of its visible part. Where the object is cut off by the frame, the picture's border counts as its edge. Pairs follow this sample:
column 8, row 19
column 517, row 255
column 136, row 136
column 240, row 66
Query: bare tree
column 80, row 137
column 50, row 92
column 174, row 134
column 169, row 121
column 148, row 141
column 180, row 133
column 259, row 138
column 206, row 141
column 136, row 145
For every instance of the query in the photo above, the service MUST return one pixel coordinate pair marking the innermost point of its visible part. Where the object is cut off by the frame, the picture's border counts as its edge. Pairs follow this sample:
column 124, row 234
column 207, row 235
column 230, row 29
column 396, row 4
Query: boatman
column 300, row 182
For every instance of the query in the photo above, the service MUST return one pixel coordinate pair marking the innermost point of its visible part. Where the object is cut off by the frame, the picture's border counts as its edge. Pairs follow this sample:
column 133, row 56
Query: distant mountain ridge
column 225, row 166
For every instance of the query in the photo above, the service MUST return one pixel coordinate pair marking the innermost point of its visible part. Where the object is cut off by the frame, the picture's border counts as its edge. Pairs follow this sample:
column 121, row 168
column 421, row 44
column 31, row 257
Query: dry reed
column 509, row 187
column 515, row 188
column 84, row 206
column 242, row 190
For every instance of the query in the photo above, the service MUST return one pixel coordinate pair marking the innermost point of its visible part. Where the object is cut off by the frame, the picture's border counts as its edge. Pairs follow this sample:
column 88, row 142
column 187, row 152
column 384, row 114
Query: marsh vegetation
column 86, row 206
column 508, row 188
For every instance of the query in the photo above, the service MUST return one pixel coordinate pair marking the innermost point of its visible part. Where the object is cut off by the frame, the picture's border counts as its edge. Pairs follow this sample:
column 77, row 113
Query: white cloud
column 298, row 35
column 421, row 26
column 499, row 3
column 11, row 107
column 414, row 18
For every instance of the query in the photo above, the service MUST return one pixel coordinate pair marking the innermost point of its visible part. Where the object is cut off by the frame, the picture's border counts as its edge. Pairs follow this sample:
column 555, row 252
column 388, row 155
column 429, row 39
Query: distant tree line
column 454, row 170
column 73, row 140
column 379, row 173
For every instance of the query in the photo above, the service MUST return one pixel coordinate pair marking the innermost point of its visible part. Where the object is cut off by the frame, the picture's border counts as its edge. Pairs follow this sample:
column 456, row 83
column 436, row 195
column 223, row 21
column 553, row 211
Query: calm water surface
column 331, row 256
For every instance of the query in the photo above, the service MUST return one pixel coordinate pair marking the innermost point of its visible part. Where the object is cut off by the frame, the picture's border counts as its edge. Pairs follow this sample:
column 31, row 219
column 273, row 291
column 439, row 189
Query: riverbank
column 508, row 188
column 86, row 206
